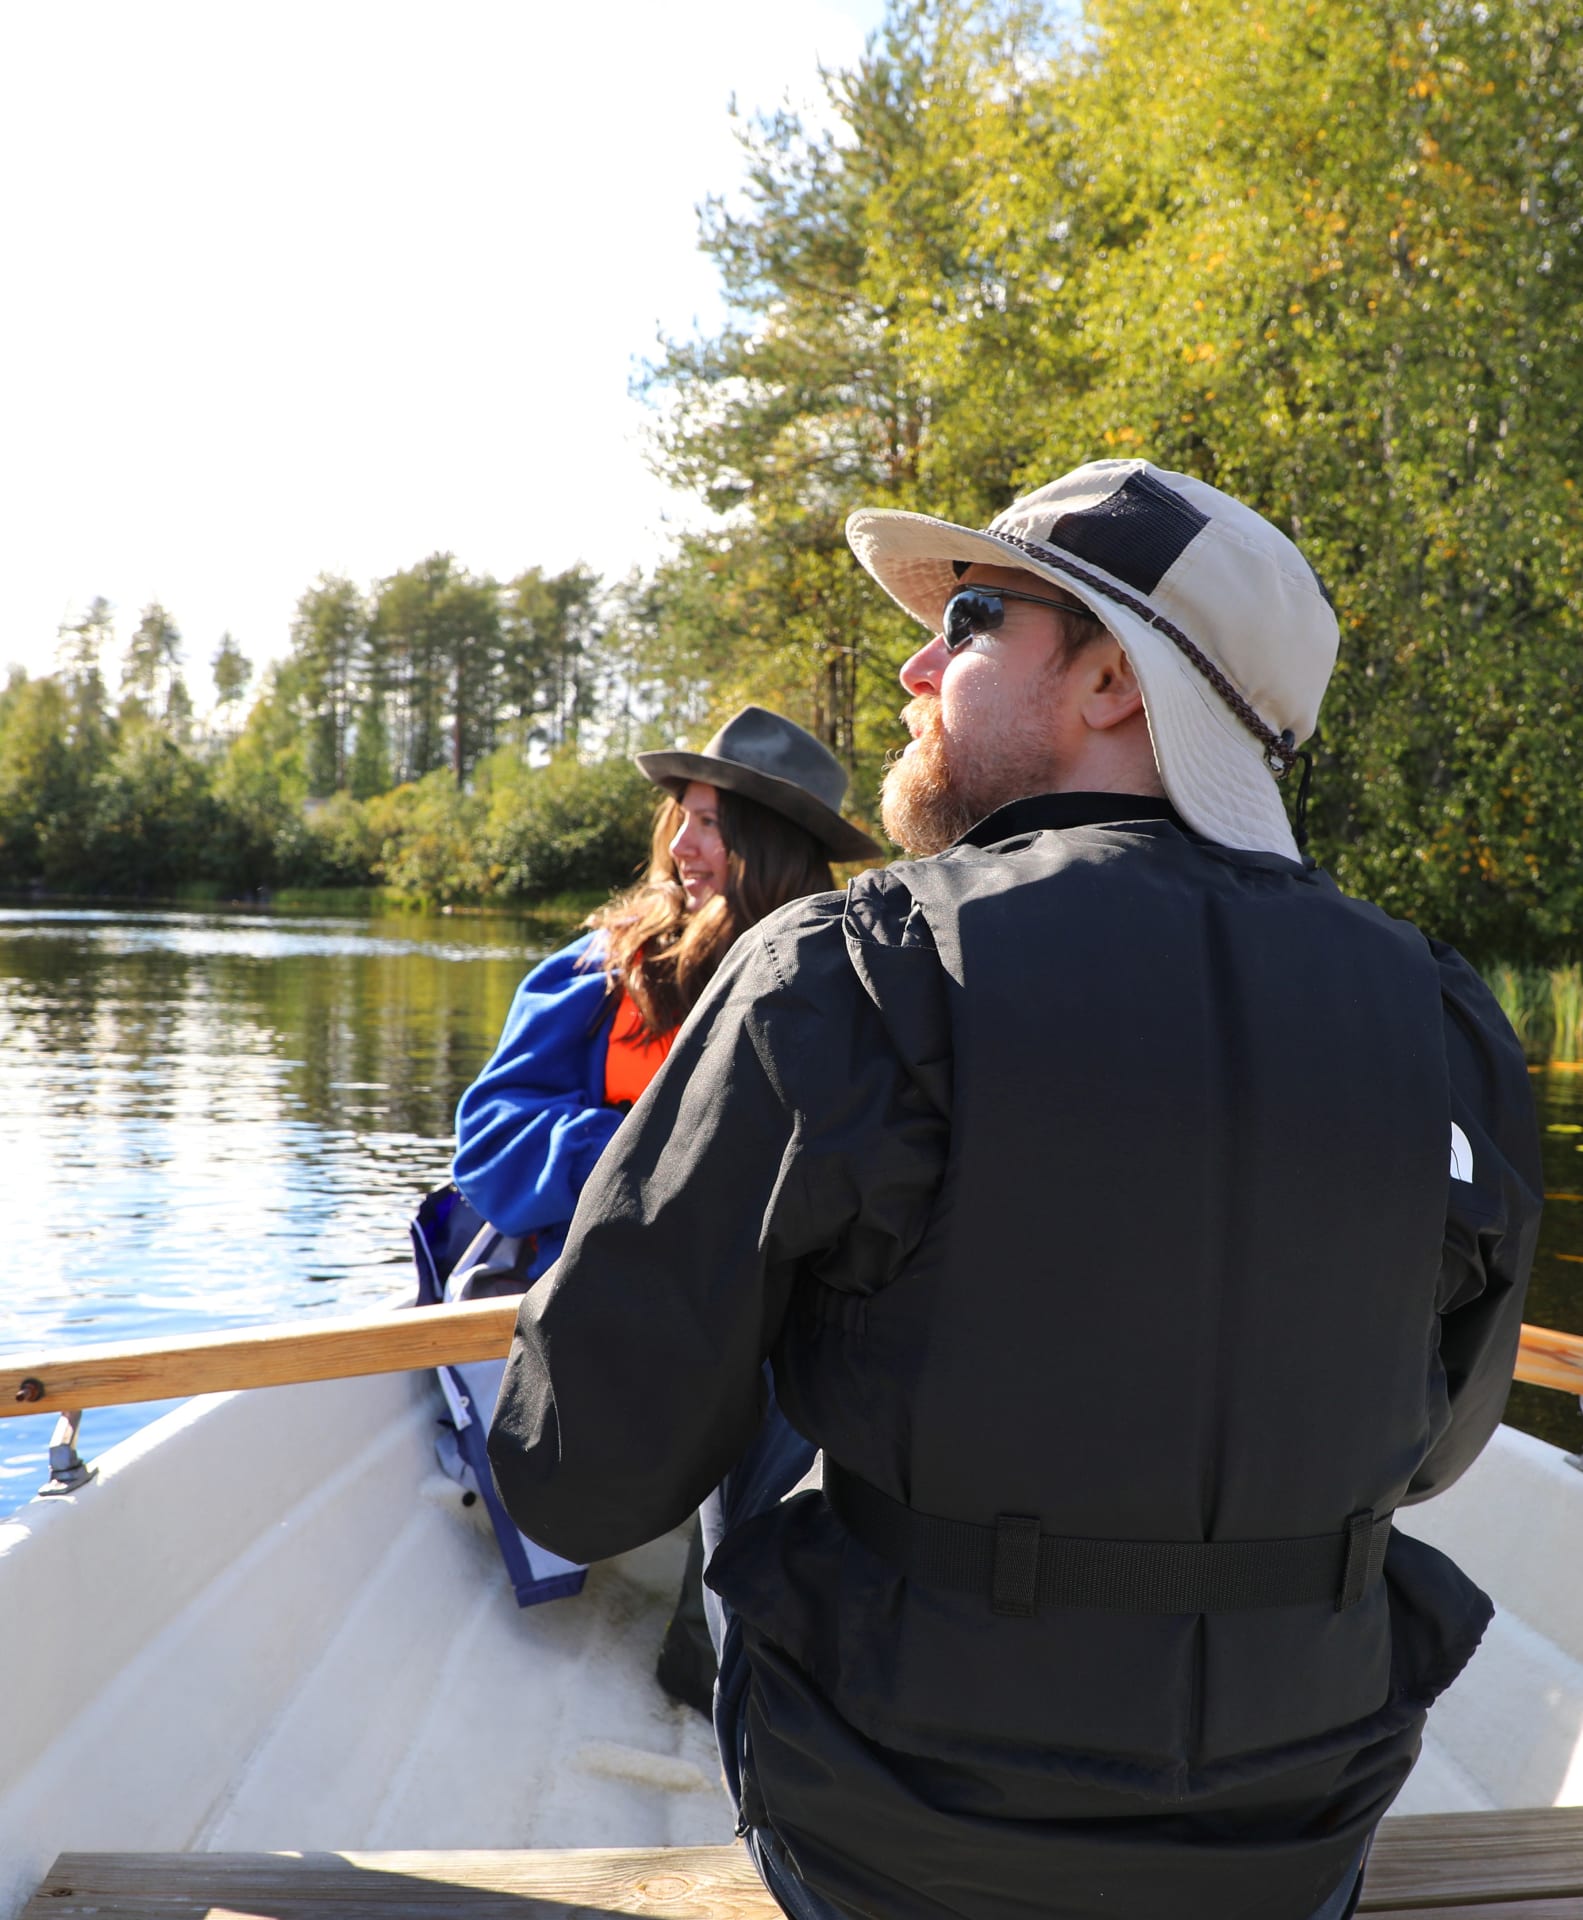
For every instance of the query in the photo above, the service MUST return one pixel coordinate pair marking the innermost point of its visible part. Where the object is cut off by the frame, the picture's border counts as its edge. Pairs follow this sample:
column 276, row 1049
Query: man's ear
column 1109, row 693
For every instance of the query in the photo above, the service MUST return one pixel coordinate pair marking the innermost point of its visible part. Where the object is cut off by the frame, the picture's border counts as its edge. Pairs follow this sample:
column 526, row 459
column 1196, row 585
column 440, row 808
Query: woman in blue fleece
column 747, row 825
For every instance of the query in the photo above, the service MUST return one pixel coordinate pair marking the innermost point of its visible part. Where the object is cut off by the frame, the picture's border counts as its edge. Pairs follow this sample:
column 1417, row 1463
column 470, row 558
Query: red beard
column 922, row 807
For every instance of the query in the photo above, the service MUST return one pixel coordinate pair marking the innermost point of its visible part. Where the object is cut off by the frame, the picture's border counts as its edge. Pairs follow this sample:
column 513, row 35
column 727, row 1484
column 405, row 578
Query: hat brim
column 675, row 771
column 1213, row 770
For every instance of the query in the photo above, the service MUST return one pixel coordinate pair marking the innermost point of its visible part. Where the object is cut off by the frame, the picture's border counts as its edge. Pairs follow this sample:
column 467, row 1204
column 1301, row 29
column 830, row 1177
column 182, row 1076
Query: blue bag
column 460, row 1256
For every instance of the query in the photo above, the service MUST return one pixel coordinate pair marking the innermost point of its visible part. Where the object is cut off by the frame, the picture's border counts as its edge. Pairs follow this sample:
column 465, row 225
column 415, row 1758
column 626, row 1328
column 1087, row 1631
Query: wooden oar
column 272, row 1356
column 386, row 1342
column 1550, row 1359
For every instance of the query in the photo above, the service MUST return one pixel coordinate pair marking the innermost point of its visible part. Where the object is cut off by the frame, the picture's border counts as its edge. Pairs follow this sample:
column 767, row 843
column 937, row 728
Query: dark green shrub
column 566, row 827
column 428, row 834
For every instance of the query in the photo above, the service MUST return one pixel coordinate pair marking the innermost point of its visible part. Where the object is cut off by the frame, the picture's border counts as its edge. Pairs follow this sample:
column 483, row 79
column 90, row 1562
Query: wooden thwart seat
column 1517, row 1864
column 657, row 1883
column 1525, row 1865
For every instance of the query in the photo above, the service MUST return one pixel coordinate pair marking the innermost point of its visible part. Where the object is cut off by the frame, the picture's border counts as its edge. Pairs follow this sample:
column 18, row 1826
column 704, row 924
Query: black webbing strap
column 1020, row 1569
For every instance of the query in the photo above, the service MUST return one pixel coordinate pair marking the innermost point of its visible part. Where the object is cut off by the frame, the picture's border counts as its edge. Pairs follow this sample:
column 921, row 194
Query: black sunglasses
column 976, row 610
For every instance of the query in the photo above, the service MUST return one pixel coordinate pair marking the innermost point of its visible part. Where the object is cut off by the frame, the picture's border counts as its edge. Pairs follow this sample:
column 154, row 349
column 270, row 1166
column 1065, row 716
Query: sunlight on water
column 211, row 1120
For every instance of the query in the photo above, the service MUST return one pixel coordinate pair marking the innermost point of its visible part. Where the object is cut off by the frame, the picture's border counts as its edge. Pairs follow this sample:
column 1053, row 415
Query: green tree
column 232, row 671
column 261, row 787
column 642, row 687
column 1335, row 271
column 551, row 630
column 1325, row 259
column 152, row 672
column 80, row 653
column 824, row 389
column 369, row 771
column 435, row 668
column 465, row 617
column 154, row 824
column 329, row 638
column 407, row 656
column 39, row 791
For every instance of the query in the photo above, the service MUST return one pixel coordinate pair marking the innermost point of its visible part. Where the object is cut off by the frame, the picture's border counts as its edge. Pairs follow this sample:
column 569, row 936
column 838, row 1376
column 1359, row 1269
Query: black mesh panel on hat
column 1137, row 535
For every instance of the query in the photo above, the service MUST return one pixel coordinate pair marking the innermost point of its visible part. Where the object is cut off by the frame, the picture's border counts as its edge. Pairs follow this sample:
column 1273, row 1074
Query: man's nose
column 921, row 674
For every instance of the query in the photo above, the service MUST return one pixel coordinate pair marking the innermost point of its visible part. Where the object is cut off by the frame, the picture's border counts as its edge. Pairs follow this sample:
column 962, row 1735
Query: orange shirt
column 634, row 1057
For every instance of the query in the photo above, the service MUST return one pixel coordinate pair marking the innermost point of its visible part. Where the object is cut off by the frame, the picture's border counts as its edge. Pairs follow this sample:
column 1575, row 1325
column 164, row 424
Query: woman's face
column 697, row 849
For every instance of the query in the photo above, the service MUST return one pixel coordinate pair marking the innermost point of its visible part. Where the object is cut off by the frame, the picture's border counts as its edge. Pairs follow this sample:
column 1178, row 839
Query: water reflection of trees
column 392, row 1038
column 386, row 1040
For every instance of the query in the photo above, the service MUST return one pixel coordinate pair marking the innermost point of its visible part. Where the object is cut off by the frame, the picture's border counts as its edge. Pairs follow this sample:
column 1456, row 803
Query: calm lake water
column 218, row 1119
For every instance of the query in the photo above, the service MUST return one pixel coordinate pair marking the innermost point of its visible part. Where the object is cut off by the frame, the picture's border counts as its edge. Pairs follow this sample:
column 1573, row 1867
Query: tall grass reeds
column 1516, row 988
column 1545, row 1007
column 1566, row 1012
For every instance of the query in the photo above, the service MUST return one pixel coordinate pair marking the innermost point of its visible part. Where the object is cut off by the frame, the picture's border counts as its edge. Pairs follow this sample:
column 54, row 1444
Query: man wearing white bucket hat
column 1222, row 625
column 1134, row 1221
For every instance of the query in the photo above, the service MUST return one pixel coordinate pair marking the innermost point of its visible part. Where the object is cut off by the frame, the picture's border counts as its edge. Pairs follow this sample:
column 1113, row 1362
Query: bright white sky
column 293, row 288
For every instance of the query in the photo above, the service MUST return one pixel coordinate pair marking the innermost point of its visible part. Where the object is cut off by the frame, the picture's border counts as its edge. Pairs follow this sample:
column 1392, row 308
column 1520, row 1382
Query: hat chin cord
column 1303, row 756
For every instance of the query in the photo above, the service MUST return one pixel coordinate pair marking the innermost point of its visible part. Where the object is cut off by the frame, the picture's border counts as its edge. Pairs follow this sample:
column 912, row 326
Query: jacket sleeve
column 530, row 1127
column 1496, row 1195
column 636, row 1378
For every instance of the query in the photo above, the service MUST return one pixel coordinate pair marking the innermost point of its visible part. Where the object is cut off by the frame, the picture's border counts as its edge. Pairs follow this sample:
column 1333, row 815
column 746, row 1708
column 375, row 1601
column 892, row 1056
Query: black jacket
column 1088, row 1171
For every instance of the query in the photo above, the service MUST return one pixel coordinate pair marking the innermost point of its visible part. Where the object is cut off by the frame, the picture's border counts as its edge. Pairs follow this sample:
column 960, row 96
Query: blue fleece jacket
column 531, row 1126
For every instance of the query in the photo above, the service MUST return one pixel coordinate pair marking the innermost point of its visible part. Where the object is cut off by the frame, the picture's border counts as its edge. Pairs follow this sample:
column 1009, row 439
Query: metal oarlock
column 67, row 1469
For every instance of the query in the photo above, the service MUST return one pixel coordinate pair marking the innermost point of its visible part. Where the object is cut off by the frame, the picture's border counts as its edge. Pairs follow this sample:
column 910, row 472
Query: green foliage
column 151, row 682
column 565, row 827
column 261, row 786
column 328, row 636
column 369, row 772
column 435, row 635
column 81, row 653
column 341, row 848
column 232, row 670
column 39, row 778
column 1336, row 275
column 550, row 629
column 1324, row 258
column 427, row 833
column 814, row 398
column 153, row 821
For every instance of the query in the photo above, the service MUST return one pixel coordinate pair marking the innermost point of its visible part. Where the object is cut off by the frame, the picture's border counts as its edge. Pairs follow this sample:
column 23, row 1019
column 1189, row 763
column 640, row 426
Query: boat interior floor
column 1515, row 1865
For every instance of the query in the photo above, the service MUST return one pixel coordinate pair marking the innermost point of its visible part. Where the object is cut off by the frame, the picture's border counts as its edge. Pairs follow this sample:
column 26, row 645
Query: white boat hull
column 269, row 1623
column 1510, row 1732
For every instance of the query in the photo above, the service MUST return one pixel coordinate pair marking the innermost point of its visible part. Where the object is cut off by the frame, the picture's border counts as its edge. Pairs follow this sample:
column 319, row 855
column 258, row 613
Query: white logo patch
column 1461, row 1154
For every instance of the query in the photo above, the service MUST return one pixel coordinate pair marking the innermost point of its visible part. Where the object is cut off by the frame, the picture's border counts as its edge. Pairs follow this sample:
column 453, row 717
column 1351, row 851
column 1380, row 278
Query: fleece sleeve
column 531, row 1126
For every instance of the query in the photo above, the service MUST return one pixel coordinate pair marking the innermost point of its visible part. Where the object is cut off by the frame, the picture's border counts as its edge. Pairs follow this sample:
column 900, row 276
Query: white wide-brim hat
column 1227, row 626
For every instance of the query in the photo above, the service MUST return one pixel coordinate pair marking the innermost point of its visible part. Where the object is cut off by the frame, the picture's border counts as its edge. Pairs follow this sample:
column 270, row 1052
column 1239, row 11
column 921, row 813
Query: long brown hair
column 665, row 956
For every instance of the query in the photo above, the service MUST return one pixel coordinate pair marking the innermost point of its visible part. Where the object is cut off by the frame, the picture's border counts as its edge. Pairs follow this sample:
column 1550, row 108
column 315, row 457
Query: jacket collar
column 1045, row 811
